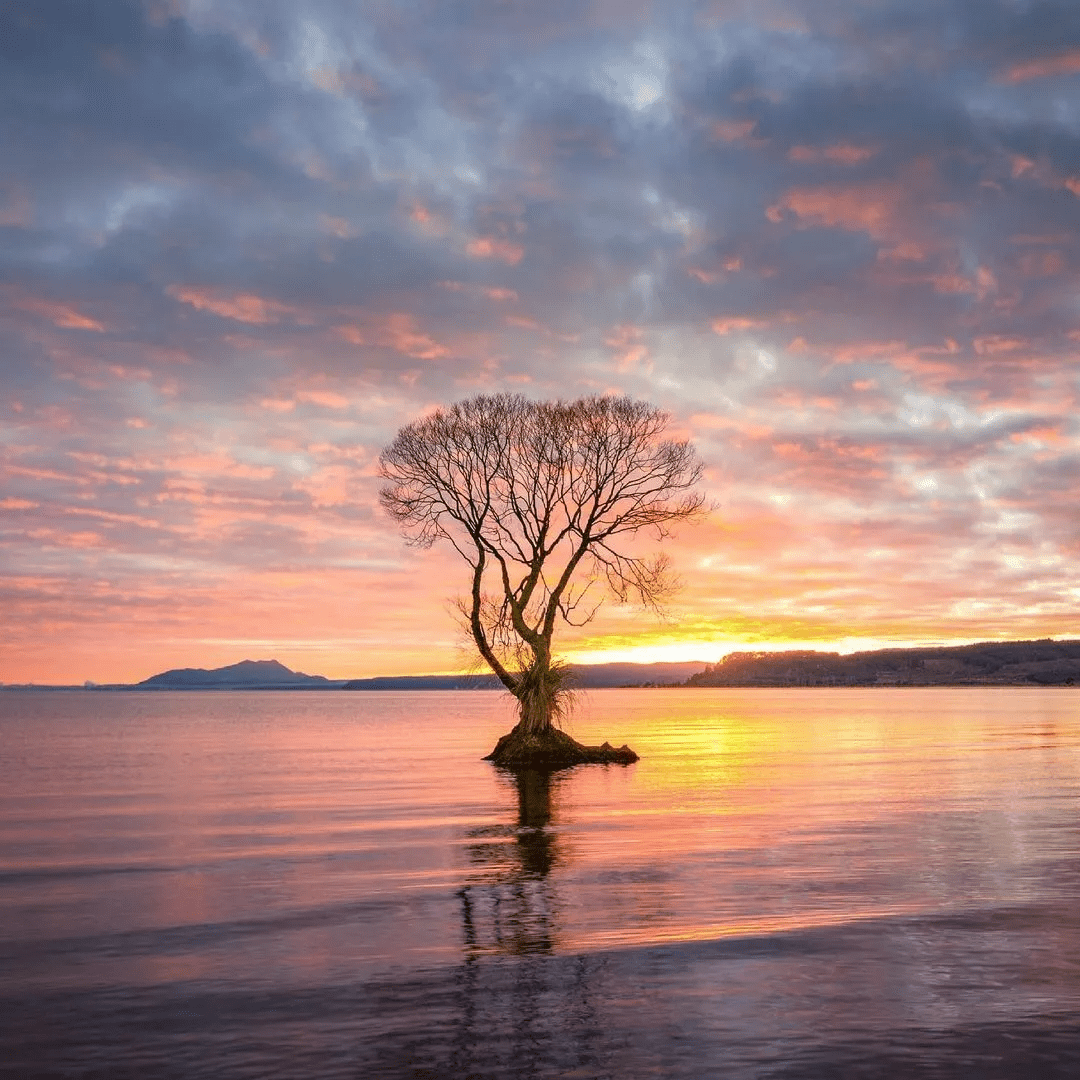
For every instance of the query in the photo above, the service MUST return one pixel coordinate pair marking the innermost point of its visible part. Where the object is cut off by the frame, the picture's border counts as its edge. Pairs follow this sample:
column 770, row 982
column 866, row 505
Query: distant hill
column 1008, row 663
column 587, row 677
column 247, row 675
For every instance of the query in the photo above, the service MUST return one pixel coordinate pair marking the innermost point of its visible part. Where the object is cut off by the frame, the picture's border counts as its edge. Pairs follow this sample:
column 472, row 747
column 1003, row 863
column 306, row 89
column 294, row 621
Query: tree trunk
column 537, row 698
column 534, row 717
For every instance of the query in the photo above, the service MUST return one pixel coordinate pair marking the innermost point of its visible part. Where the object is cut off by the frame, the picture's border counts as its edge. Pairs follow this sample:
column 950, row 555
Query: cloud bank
column 240, row 245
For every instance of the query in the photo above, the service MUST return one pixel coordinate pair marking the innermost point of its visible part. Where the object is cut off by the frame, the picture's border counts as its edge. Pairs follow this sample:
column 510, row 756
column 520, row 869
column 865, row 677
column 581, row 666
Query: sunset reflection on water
column 759, row 811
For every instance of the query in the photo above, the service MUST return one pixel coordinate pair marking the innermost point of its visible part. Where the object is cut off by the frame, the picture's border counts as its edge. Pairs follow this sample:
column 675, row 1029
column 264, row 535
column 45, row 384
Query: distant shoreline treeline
column 1011, row 663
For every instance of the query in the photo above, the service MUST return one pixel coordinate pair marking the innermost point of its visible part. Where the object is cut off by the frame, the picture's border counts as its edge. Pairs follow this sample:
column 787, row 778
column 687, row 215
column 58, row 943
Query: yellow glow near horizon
column 710, row 652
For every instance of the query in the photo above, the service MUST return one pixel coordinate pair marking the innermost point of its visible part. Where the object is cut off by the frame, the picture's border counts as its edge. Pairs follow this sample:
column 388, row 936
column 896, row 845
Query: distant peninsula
column 1006, row 663
column 246, row 675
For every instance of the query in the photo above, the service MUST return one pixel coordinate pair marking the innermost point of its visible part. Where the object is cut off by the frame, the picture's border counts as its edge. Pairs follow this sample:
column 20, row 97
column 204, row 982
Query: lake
column 793, row 883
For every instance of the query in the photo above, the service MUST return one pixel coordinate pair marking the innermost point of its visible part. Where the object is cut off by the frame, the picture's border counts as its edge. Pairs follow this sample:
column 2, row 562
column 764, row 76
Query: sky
column 243, row 243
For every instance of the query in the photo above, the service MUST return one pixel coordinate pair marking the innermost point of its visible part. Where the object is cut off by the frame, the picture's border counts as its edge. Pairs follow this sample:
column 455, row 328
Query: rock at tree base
column 554, row 749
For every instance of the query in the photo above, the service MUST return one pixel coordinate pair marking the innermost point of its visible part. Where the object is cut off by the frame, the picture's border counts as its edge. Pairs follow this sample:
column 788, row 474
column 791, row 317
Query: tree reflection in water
column 521, row 1010
column 512, row 906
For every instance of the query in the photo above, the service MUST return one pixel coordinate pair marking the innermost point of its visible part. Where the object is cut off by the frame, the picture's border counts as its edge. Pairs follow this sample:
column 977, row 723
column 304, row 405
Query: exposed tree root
column 554, row 749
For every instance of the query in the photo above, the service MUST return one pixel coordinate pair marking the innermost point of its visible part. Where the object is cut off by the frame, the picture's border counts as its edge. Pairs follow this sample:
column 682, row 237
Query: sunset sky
column 242, row 243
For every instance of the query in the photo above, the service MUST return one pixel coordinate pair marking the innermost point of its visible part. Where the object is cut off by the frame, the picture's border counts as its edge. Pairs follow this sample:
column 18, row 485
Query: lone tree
column 542, row 500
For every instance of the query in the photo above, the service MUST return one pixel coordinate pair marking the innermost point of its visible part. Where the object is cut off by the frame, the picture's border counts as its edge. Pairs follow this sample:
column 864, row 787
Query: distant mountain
column 247, row 675
column 990, row 663
column 587, row 677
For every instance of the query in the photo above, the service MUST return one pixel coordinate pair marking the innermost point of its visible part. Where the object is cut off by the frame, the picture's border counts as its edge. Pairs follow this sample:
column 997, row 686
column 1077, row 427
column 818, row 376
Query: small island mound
column 551, row 748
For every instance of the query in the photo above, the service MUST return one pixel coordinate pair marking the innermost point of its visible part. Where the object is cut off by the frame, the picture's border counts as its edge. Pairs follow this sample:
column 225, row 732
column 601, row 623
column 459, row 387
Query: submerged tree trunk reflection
column 536, row 843
column 511, row 905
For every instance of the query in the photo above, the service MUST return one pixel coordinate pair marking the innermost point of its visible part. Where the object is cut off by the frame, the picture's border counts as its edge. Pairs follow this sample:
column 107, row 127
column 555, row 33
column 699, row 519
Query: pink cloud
column 336, row 226
column 352, row 334
column 705, row 422
column 733, row 130
column 628, row 346
column 723, row 326
column 490, row 291
column 32, row 473
column 494, row 247
column 331, row 485
column 399, row 331
column 989, row 344
column 112, row 517
column 872, row 208
column 58, row 538
column 214, row 464
column 328, row 399
column 241, row 307
column 1044, row 67
column 857, row 351
column 59, row 314
column 1047, row 434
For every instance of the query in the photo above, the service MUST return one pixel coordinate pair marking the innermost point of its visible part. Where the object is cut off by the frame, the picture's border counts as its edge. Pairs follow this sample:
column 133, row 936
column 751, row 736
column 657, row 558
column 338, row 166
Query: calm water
column 790, row 883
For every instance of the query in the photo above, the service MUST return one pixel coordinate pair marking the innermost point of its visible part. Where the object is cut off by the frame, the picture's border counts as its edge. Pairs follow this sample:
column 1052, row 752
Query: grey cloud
column 85, row 82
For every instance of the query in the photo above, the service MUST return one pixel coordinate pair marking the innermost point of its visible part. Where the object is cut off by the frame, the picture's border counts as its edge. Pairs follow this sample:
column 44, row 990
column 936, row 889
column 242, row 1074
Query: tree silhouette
column 542, row 500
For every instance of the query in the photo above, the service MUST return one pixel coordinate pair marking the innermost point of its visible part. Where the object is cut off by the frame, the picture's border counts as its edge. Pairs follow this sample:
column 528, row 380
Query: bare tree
column 542, row 500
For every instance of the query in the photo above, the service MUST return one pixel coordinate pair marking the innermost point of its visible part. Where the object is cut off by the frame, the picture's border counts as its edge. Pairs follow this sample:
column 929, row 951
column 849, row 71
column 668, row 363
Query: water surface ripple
column 790, row 884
